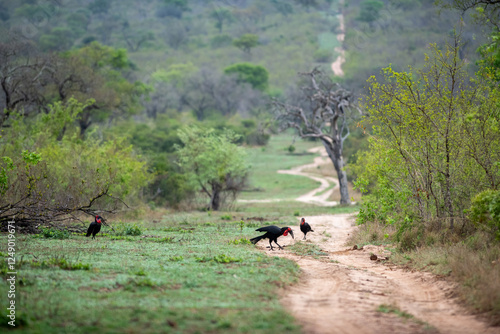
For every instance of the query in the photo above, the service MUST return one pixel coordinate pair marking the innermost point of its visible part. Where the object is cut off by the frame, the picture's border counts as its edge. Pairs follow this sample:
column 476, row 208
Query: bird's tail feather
column 256, row 239
column 89, row 232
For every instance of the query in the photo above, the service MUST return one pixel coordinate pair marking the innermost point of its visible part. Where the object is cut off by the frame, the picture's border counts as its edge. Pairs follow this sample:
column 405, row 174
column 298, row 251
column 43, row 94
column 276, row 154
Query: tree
column 167, row 88
column 284, row 7
column 100, row 6
column 246, row 42
column 369, row 10
column 48, row 174
column 173, row 8
column 98, row 71
column 436, row 140
column 176, row 33
column 207, row 92
column 317, row 114
column 23, row 74
column 307, row 3
column 255, row 75
column 487, row 11
column 135, row 38
column 221, row 15
column 214, row 164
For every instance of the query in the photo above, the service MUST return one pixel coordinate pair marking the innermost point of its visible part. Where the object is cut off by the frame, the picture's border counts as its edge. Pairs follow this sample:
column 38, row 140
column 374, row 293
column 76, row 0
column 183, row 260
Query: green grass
column 384, row 308
column 203, row 281
column 266, row 161
column 190, row 272
column 393, row 309
column 307, row 248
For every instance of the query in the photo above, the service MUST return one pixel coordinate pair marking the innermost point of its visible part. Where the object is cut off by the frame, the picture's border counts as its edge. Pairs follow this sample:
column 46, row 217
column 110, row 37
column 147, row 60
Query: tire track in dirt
column 340, row 292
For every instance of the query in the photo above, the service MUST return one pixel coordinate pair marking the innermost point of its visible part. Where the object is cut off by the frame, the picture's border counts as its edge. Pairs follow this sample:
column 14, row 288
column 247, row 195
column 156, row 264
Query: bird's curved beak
column 291, row 233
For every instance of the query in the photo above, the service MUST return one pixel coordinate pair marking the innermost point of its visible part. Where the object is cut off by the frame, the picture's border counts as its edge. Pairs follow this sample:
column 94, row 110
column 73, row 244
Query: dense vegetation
column 106, row 105
column 149, row 68
column 432, row 171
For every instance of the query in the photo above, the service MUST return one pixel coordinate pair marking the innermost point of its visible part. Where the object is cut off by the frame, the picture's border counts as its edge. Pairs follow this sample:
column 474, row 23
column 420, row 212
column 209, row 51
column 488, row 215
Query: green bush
column 485, row 212
column 52, row 233
column 322, row 56
column 124, row 230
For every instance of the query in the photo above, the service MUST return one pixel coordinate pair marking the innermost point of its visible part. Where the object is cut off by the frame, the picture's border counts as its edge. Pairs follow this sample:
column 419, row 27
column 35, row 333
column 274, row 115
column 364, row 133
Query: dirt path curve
column 341, row 291
column 317, row 196
column 337, row 64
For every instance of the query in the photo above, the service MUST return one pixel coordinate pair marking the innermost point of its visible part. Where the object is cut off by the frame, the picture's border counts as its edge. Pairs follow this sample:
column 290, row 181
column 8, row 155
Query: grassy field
column 265, row 161
column 189, row 273
column 167, row 272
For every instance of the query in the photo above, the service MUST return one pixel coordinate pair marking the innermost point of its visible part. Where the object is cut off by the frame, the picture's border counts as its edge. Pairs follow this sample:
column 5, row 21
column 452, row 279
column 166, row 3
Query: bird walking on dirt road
column 273, row 232
column 94, row 227
column 305, row 227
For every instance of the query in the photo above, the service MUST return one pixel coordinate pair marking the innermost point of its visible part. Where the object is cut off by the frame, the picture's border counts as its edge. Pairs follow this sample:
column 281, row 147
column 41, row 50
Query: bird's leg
column 304, row 237
column 278, row 245
column 271, row 246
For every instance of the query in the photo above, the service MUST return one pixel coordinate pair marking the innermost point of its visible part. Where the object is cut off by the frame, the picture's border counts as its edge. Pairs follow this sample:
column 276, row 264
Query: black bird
column 273, row 232
column 94, row 227
column 305, row 227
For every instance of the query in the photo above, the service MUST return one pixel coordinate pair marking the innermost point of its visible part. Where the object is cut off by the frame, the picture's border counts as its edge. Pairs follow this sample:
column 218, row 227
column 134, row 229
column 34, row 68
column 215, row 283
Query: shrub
column 257, row 137
column 322, row 56
column 221, row 41
column 485, row 212
column 52, row 233
column 128, row 230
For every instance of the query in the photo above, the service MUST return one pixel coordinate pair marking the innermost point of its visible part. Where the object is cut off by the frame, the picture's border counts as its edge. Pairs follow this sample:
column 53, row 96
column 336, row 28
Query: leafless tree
column 319, row 112
column 23, row 74
column 208, row 90
column 491, row 9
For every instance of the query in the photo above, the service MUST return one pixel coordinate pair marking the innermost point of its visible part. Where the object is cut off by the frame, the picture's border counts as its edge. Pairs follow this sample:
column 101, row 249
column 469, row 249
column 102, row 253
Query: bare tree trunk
column 215, row 199
column 335, row 155
column 317, row 115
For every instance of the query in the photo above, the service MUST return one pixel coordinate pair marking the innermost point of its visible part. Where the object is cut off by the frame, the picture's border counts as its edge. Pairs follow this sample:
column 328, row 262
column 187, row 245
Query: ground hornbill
column 305, row 227
column 94, row 227
column 272, row 233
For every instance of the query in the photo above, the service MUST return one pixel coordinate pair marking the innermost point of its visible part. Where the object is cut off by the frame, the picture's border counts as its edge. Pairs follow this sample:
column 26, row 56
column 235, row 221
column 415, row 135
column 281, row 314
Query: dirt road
column 344, row 291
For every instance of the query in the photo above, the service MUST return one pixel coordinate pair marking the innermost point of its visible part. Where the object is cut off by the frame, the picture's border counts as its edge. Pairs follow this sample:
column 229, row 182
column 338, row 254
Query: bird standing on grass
column 94, row 227
column 305, row 227
column 273, row 232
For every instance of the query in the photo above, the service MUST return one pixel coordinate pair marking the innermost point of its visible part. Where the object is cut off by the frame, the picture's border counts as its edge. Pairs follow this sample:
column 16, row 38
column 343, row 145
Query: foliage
column 100, row 72
column 369, row 10
column 222, row 16
column 213, row 163
column 255, row 75
column 484, row 11
column 48, row 181
column 246, row 42
column 485, row 212
column 53, row 233
column 428, row 156
column 490, row 53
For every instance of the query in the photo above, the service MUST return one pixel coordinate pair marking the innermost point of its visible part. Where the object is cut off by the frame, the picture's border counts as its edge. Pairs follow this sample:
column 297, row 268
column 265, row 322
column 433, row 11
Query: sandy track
column 340, row 292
